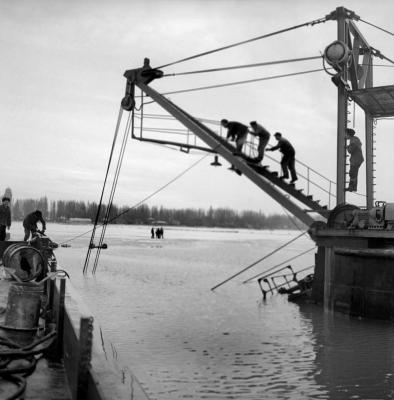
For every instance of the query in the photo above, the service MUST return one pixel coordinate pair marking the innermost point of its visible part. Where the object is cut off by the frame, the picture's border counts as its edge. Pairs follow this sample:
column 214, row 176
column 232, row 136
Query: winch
column 348, row 216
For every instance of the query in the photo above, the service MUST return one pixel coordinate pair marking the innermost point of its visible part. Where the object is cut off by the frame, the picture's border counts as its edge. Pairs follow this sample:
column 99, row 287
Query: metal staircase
column 290, row 188
column 285, row 194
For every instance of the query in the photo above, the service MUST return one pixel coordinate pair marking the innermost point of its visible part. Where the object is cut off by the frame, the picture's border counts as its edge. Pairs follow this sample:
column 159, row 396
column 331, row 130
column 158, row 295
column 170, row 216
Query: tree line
column 64, row 211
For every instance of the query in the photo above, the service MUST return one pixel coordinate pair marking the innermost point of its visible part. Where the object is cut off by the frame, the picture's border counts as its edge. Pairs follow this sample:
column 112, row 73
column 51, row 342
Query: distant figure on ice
column 235, row 131
column 263, row 135
column 5, row 217
column 30, row 224
column 157, row 233
column 161, row 233
column 356, row 158
column 152, row 233
column 288, row 157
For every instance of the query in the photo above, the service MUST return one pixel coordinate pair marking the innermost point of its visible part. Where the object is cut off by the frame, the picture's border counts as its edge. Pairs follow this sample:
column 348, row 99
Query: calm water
column 153, row 301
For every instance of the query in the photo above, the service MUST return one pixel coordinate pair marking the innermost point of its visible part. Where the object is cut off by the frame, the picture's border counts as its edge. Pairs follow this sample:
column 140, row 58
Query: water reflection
column 354, row 358
column 183, row 341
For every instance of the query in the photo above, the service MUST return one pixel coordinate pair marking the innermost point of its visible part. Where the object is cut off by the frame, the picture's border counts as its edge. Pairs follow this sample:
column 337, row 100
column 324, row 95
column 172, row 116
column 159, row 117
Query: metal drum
column 26, row 262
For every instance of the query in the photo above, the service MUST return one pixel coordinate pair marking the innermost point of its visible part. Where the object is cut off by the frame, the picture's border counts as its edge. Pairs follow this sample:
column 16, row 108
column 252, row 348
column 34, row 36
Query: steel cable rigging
column 377, row 27
column 91, row 244
column 259, row 260
column 245, row 81
column 109, row 220
column 113, row 189
column 261, row 64
column 106, row 218
column 279, row 265
column 314, row 22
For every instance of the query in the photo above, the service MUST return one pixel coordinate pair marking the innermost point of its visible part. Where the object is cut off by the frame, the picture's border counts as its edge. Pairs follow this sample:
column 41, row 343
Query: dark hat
column 350, row 131
column 277, row 134
column 38, row 213
column 252, row 122
column 5, row 199
column 224, row 121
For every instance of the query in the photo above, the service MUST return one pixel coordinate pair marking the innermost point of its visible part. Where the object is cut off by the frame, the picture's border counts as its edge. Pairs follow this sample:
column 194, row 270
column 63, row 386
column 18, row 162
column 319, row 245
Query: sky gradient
column 62, row 83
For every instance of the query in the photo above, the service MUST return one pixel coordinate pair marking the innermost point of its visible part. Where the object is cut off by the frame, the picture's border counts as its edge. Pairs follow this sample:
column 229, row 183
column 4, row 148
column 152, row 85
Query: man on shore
column 5, row 217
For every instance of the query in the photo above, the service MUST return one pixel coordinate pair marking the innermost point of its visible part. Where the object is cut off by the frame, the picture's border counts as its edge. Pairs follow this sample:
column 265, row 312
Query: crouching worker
column 30, row 224
column 236, row 131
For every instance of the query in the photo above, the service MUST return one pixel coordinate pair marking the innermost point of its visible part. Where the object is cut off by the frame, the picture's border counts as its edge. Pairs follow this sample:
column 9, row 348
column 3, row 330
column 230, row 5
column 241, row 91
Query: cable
column 278, row 265
column 147, row 197
column 102, row 192
column 291, row 219
column 164, row 186
column 377, row 53
column 112, row 194
column 377, row 27
column 317, row 21
column 259, row 260
column 246, row 81
column 244, row 66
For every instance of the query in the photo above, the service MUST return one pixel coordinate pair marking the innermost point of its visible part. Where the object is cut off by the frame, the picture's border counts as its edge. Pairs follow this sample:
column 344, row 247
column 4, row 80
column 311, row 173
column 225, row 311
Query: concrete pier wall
column 354, row 272
column 362, row 283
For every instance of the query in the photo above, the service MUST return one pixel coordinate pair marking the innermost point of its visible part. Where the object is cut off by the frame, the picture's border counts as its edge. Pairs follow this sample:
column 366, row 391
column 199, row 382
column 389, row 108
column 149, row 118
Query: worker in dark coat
column 5, row 217
column 236, row 131
column 30, row 224
column 263, row 135
column 288, row 157
column 356, row 158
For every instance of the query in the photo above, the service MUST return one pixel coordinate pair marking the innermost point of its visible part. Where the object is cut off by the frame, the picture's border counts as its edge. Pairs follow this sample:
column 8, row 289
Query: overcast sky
column 61, row 83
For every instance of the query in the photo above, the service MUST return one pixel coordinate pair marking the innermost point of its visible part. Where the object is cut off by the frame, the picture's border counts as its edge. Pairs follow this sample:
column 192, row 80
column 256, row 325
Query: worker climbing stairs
column 293, row 199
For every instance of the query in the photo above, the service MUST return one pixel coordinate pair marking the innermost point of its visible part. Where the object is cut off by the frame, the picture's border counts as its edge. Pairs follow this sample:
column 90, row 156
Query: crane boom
column 142, row 76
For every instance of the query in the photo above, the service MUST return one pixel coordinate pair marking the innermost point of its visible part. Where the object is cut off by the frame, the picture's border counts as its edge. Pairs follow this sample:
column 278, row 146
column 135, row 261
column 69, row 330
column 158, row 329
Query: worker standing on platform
column 235, row 131
column 5, row 217
column 356, row 158
column 264, row 137
column 288, row 157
